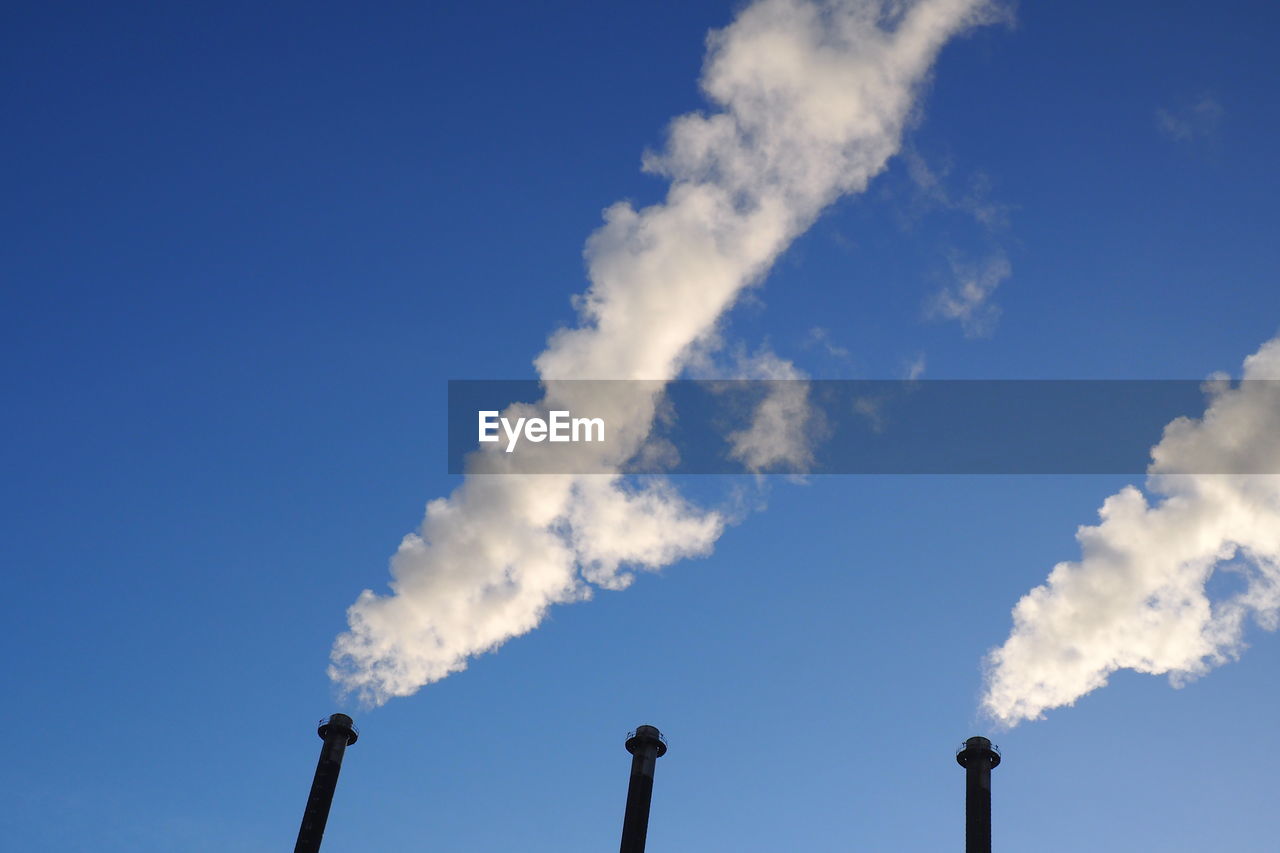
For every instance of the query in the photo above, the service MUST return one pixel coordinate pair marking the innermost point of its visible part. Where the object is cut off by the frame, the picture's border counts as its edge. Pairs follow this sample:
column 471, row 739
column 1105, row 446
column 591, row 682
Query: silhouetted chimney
column 338, row 732
column 977, row 756
column 646, row 744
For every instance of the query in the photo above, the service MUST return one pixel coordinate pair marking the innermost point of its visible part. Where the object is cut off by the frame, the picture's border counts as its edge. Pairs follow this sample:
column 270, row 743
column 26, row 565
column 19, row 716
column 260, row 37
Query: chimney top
column 978, row 747
column 646, row 735
column 339, row 722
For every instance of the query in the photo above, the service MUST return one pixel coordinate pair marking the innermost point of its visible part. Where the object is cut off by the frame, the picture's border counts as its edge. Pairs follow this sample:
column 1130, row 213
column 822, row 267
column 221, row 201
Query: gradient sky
column 246, row 247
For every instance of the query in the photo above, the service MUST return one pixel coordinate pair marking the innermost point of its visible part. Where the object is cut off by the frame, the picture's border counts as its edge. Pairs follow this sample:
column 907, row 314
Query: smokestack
column 338, row 732
column 646, row 744
column 978, row 756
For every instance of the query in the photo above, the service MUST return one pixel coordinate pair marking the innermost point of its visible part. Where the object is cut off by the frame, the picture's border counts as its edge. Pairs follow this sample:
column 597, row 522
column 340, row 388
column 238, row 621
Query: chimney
column 338, row 732
column 646, row 744
column 978, row 756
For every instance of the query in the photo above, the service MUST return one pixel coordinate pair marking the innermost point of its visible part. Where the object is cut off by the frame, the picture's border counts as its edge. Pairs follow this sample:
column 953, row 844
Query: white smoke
column 812, row 98
column 1137, row 598
column 782, row 424
column 968, row 300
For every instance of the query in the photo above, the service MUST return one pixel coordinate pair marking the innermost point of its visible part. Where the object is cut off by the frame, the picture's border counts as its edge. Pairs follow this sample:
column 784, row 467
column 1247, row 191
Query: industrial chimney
column 338, row 732
column 978, row 756
column 646, row 744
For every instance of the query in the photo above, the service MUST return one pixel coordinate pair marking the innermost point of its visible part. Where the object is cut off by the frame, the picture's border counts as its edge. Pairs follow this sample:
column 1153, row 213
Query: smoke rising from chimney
column 1137, row 599
column 811, row 98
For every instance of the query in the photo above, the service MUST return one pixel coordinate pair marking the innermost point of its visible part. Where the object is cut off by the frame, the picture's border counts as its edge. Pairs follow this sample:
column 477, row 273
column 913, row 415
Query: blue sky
column 246, row 248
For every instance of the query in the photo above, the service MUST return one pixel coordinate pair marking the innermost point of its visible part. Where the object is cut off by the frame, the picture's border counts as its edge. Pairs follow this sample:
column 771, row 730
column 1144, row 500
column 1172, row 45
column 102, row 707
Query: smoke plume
column 810, row 98
column 1138, row 597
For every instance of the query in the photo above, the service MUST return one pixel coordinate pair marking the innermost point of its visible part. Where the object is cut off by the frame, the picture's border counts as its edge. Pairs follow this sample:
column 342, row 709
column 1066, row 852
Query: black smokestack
column 338, row 732
column 646, row 744
column 978, row 756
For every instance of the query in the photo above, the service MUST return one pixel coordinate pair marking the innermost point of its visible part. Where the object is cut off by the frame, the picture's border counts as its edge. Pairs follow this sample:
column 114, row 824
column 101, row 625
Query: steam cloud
column 1137, row 599
column 813, row 96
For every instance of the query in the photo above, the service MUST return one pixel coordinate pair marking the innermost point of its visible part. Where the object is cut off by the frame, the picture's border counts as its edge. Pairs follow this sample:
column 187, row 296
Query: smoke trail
column 1137, row 598
column 812, row 96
